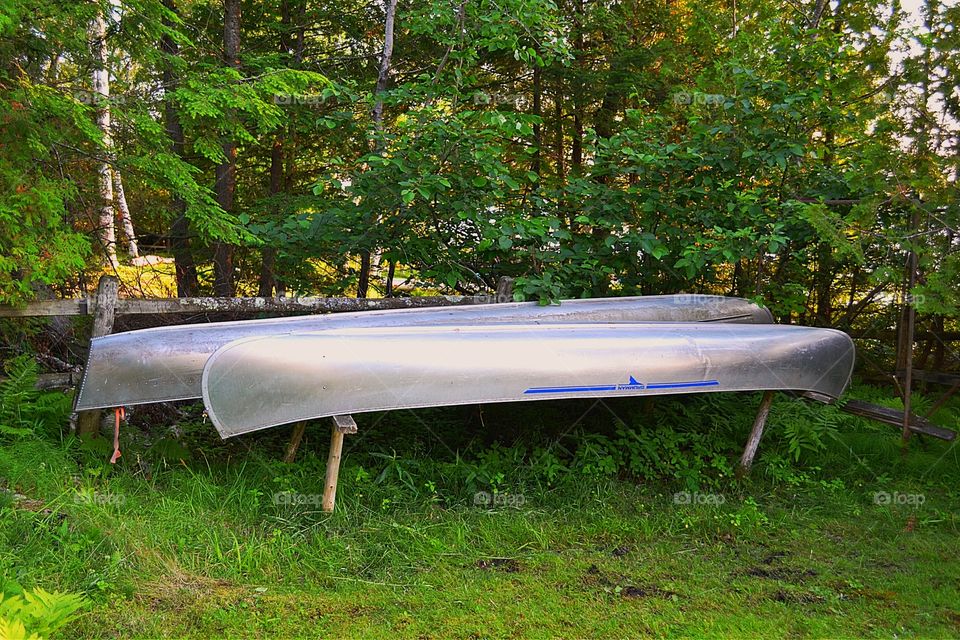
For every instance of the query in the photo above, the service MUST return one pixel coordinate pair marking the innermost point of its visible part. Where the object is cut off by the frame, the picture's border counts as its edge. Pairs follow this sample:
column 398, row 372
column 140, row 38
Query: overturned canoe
column 256, row 383
column 165, row 363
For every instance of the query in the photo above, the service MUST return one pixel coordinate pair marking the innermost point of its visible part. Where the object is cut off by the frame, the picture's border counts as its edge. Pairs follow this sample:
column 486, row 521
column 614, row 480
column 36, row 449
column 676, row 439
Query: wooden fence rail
column 143, row 306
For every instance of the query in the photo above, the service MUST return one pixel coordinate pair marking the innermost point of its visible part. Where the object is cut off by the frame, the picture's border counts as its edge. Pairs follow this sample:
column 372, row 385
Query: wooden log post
column 295, row 439
column 504, row 291
column 746, row 461
column 104, row 312
column 341, row 425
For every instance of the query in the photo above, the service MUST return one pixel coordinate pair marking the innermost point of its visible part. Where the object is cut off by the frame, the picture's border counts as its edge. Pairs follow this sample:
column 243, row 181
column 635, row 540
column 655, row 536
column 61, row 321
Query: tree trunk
column 267, row 275
column 226, row 177
column 268, row 264
column 538, row 112
column 576, row 147
column 125, row 218
column 560, row 153
column 386, row 58
column 370, row 258
column 100, row 80
column 185, row 267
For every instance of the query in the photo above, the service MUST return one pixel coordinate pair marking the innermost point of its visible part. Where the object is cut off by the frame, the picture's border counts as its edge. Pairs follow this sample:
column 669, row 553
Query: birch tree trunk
column 100, row 81
column 125, row 218
column 111, row 182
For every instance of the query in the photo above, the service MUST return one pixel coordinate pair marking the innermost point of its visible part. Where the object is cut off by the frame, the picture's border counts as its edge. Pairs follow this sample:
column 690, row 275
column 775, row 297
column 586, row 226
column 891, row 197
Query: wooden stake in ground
column 105, row 305
column 341, row 426
column 746, row 461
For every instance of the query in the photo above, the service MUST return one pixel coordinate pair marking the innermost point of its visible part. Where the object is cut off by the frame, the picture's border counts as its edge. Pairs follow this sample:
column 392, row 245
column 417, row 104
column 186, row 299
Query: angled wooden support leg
column 294, row 444
column 746, row 461
column 341, row 426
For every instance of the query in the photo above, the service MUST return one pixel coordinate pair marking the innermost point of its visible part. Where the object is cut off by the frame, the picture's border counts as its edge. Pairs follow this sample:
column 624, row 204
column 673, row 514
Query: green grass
column 596, row 547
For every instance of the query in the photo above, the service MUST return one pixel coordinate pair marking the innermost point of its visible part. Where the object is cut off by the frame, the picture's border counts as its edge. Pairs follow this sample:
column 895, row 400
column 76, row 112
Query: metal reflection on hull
column 257, row 383
column 166, row 363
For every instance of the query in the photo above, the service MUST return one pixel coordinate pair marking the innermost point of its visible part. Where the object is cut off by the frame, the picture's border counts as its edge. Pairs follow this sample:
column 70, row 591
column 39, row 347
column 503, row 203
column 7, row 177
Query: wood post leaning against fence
column 104, row 312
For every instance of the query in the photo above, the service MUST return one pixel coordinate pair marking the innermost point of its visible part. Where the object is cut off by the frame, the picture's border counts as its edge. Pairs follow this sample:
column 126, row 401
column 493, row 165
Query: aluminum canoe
column 256, row 383
column 165, row 363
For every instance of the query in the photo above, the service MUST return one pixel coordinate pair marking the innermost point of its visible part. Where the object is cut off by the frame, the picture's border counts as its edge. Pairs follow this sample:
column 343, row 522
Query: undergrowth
column 419, row 488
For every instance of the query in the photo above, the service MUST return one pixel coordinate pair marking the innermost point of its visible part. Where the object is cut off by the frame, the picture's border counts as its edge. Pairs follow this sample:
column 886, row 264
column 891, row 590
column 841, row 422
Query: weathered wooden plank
column 936, row 377
column 144, row 306
column 887, row 335
column 47, row 308
column 345, row 424
column 895, row 417
column 53, row 381
column 285, row 305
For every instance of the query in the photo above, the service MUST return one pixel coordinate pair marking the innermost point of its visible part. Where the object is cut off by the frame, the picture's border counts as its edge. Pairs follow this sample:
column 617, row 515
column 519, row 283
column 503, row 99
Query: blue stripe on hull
column 611, row 387
column 633, row 384
column 679, row 385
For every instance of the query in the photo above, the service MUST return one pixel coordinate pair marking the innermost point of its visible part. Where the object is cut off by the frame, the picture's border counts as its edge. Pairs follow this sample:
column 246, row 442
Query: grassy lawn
column 506, row 525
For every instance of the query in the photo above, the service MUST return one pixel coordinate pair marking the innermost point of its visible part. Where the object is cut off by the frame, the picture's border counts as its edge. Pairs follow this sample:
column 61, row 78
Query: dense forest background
column 791, row 152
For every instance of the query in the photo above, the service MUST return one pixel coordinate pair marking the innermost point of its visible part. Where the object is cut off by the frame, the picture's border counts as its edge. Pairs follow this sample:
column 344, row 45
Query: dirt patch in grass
column 507, row 565
column 788, row 597
column 648, row 591
column 622, row 585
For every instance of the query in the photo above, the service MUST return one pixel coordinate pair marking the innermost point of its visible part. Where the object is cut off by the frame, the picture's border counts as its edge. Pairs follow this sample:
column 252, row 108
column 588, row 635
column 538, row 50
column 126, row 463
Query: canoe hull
column 257, row 383
column 166, row 363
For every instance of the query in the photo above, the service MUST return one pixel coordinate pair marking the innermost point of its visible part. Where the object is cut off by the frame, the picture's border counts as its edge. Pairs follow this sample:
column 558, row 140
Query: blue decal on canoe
column 680, row 385
column 606, row 387
column 631, row 385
